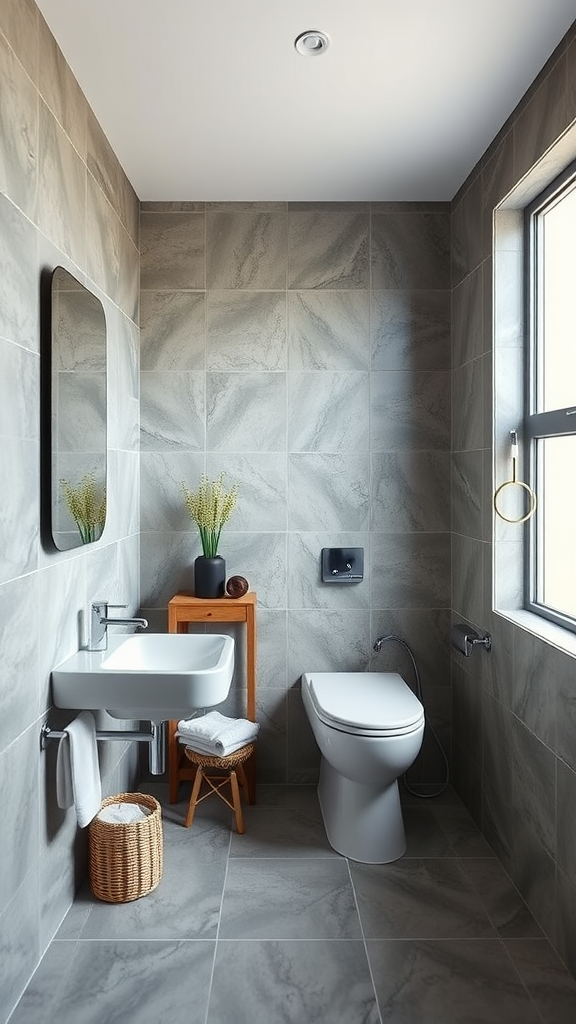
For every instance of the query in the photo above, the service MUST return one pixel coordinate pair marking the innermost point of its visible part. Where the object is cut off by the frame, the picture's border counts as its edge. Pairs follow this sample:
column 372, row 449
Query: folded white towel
column 77, row 770
column 212, row 749
column 216, row 734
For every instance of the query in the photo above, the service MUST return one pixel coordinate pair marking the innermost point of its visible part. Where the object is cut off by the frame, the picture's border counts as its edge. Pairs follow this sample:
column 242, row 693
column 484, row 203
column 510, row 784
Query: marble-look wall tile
column 271, row 706
column 328, row 330
column 327, row 412
column 467, row 713
column 467, row 493
column 19, row 317
column 565, row 915
column 534, row 785
column 60, row 90
column 272, row 655
column 172, row 250
column 20, row 796
column 497, row 767
column 112, row 254
column 497, row 181
column 61, row 197
column 108, row 174
column 566, row 827
column 19, row 127
column 19, row 694
column 410, row 491
column 328, row 249
column 327, row 640
column 542, row 120
column 410, row 570
column 173, row 330
column 410, row 329
column 467, row 229
column 165, row 566
column 262, row 489
column 467, row 578
column 328, row 492
column 63, row 218
column 468, row 320
column 246, row 412
column 467, row 406
column 262, row 562
column 427, row 633
column 20, row 507
column 123, row 513
column 162, row 474
column 302, row 753
column 19, row 946
column 63, row 627
column 172, row 411
column 246, row 330
column 305, row 586
column 410, row 410
column 534, row 691
column 411, row 250
column 19, row 21
column 564, row 675
column 123, row 409
column 246, row 250
column 20, row 379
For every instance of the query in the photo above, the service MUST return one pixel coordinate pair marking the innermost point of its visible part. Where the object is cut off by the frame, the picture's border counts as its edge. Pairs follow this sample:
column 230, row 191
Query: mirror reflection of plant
column 210, row 507
column 86, row 505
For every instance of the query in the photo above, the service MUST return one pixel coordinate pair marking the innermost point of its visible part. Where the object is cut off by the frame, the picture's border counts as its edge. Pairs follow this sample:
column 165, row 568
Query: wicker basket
column 125, row 860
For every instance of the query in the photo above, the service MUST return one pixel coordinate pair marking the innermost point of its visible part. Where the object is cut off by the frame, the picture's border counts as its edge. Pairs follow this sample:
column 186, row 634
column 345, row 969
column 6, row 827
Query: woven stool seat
column 232, row 765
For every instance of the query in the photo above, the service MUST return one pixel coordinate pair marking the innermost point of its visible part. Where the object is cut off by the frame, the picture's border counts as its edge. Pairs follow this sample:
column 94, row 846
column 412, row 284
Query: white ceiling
column 210, row 100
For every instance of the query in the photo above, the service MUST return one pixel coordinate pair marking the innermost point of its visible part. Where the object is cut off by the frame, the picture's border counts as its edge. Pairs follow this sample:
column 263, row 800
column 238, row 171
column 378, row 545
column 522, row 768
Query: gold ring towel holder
column 515, row 483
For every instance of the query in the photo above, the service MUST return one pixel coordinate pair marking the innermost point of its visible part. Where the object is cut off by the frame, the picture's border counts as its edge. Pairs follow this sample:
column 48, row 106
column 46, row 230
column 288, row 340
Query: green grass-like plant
column 210, row 507
column 86, row 506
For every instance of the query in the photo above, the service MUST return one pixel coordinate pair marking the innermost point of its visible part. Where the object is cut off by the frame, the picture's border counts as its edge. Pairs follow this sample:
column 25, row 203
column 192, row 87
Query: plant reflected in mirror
column 86, row 504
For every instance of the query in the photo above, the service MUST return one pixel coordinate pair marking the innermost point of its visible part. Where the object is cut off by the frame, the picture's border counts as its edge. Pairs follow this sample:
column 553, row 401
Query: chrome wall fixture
column 465, row 639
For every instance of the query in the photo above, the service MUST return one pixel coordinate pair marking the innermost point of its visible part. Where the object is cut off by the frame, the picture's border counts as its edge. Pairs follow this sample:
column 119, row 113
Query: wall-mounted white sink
column 150, row 676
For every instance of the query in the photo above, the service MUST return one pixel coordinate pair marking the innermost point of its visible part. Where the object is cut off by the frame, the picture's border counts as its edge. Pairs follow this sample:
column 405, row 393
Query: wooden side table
column 183, row 609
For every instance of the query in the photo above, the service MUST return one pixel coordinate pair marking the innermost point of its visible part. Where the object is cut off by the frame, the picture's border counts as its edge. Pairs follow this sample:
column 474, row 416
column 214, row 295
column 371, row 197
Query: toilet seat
column 364, row 703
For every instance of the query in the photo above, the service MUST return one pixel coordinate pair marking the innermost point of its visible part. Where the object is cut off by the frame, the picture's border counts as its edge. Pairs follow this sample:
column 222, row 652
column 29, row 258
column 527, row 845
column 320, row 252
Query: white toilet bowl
column 369, row 727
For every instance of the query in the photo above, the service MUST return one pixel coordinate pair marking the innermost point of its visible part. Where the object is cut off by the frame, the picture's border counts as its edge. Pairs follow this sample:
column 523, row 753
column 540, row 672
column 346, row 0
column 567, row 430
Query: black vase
column 209, row 576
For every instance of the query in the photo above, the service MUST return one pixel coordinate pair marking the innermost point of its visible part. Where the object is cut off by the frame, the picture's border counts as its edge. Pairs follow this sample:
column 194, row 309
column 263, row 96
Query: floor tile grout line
column 376, row 1002
column 521, row 980
column 209, row 996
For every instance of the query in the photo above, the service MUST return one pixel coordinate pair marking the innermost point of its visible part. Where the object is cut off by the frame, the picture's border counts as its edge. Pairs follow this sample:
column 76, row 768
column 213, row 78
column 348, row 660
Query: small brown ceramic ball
column 237, row 586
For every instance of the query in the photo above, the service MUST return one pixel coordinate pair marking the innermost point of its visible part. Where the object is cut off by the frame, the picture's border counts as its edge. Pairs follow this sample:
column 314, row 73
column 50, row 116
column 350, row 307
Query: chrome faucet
column 100, row 620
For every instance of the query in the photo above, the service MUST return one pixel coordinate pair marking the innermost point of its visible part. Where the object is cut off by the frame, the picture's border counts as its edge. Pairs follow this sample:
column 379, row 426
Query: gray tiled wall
column 304, row 350
column 63, row 200
column 514, row 724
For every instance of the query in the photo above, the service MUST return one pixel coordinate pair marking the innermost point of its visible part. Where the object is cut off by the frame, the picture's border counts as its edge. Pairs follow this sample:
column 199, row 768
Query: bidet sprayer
column 382, row 639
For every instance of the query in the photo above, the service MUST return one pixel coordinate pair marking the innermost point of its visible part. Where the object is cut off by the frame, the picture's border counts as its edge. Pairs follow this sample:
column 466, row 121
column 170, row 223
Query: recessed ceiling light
column 312, row 43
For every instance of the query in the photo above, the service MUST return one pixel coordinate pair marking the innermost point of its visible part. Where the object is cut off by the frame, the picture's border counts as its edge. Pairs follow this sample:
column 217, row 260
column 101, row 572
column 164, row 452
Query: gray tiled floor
column 273, row 927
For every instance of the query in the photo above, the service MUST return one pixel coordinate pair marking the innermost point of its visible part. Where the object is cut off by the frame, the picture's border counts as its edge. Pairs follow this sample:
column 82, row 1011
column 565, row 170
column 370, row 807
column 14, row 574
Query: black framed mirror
column 75, row 373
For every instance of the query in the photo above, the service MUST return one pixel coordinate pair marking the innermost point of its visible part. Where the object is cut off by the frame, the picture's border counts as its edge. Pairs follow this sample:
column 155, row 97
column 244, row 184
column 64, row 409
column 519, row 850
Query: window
column 550, row 422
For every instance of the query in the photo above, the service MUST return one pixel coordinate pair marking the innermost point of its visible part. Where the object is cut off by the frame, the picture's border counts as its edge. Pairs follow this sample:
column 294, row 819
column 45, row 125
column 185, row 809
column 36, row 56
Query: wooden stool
column 231, row 764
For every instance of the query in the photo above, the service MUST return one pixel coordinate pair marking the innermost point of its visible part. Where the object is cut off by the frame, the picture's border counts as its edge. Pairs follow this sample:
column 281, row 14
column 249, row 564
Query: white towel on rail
column 77, row 771
column 216, row 734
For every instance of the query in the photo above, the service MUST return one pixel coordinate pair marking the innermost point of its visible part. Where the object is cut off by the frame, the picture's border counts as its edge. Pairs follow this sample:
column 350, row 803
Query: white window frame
column 538, row 425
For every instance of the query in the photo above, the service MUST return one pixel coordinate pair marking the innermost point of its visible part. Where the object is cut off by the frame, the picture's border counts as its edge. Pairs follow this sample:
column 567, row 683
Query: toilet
column 369, row 727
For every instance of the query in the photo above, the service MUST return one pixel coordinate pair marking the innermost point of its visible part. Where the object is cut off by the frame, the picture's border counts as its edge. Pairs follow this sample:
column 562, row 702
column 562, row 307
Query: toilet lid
column 379, row 701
